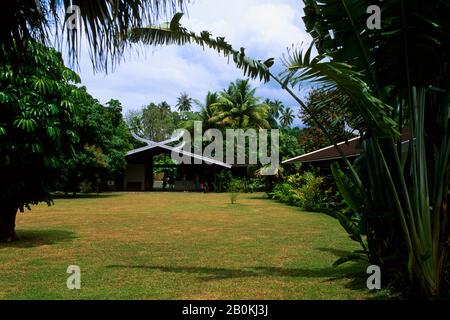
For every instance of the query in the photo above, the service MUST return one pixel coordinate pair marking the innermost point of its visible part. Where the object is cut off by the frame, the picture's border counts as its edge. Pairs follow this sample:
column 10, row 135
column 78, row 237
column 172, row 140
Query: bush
column 309, row 195
column 255, row 185
column 234, row 187
column 86, row 186
column 302, row 190
column 223, row 180
column 282, row 192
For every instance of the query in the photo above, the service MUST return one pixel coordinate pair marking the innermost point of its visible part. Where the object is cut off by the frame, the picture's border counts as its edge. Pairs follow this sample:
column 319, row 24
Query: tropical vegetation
column 390, row 88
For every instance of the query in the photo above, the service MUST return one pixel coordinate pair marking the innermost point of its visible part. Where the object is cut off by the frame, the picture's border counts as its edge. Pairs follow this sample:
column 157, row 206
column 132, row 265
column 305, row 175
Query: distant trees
column 206, row 108
column 155, row 121
column 326, row 106
column 275, row 109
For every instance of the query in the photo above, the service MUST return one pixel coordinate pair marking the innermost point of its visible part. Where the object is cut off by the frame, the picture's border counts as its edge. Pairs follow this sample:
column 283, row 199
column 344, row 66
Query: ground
column 179, row 246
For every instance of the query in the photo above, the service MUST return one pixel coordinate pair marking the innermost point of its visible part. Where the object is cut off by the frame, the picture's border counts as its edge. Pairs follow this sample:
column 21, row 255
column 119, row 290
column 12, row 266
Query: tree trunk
column 7, row 223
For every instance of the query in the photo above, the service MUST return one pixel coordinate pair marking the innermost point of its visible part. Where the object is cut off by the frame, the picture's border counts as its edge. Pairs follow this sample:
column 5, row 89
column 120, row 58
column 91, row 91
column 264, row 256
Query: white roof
column 180, row 151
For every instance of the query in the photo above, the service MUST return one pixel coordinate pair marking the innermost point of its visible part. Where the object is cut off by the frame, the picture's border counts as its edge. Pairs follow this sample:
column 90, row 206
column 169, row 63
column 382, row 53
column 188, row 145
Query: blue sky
column 264, row 27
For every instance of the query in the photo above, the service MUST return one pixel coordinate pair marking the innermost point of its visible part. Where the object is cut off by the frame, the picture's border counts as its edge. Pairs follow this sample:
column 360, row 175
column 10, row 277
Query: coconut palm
column 276, row 108
column 238, row 107
column 206, row 110
column 184, row 103
column 287, row 117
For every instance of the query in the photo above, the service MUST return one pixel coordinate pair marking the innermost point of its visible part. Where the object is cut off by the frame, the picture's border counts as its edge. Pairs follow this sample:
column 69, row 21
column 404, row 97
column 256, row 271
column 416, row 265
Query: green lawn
column 179, row 246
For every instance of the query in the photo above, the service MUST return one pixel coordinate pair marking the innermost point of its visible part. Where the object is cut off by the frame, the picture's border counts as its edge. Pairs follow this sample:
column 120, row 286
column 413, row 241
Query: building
column 322, row 158
column 139, row 172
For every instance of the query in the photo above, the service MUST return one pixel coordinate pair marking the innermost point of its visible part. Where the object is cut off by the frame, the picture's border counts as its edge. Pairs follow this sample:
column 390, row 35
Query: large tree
column 36, row 130
column 103, row 142
column 36, row 109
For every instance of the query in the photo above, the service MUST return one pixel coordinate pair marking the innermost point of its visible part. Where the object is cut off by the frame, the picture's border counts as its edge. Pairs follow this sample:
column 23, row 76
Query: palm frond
column 370, row 114
column 104, row 24
column 175, row 34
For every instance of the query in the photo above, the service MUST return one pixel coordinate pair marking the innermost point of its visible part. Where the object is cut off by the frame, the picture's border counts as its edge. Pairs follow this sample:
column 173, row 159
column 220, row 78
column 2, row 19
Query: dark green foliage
column 224, row 179
column 37, row 131
column 184, row 103
column 53, row 134
column 103, row 142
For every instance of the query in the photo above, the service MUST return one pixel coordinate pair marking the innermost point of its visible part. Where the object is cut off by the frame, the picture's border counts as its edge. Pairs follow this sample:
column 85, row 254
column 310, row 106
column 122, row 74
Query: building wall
column 134, row 177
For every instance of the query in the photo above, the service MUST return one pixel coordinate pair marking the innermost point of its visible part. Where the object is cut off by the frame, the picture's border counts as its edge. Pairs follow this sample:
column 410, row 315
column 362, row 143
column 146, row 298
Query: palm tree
column 237, row 107
column 276, row 108
column 206, row 109
column 104, row 24
column 184, row 103
column 287, row 117
column 165, row 107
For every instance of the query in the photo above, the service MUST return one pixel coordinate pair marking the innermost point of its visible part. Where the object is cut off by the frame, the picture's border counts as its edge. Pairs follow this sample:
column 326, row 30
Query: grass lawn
column 179, row 246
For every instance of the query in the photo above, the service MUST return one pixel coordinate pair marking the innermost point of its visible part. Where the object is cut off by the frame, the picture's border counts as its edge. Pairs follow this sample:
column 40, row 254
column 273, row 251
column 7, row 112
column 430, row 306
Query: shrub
column 309, row 196
column 86, row 186
column 235, row 186
column 224, row 179
column 282, row 192
column 302, row 190
column 255, row 185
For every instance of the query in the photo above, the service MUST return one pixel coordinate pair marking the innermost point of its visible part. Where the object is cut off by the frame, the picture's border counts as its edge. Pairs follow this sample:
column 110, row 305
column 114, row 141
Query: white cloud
column 264, row 27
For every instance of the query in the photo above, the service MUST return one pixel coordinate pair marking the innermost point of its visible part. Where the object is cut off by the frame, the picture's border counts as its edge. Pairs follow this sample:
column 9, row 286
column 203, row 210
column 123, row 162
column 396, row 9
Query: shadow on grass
column 209, row 274
column 336, row 252
column 36, row 238
column 86, row 196
column 354, row 273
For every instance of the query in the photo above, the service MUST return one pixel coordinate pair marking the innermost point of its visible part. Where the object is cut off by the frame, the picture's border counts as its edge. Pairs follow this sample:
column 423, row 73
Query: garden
column 369, row 75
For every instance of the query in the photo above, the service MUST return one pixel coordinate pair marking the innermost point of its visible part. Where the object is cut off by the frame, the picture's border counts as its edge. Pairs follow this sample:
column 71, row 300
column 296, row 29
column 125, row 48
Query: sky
column 266, row 28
